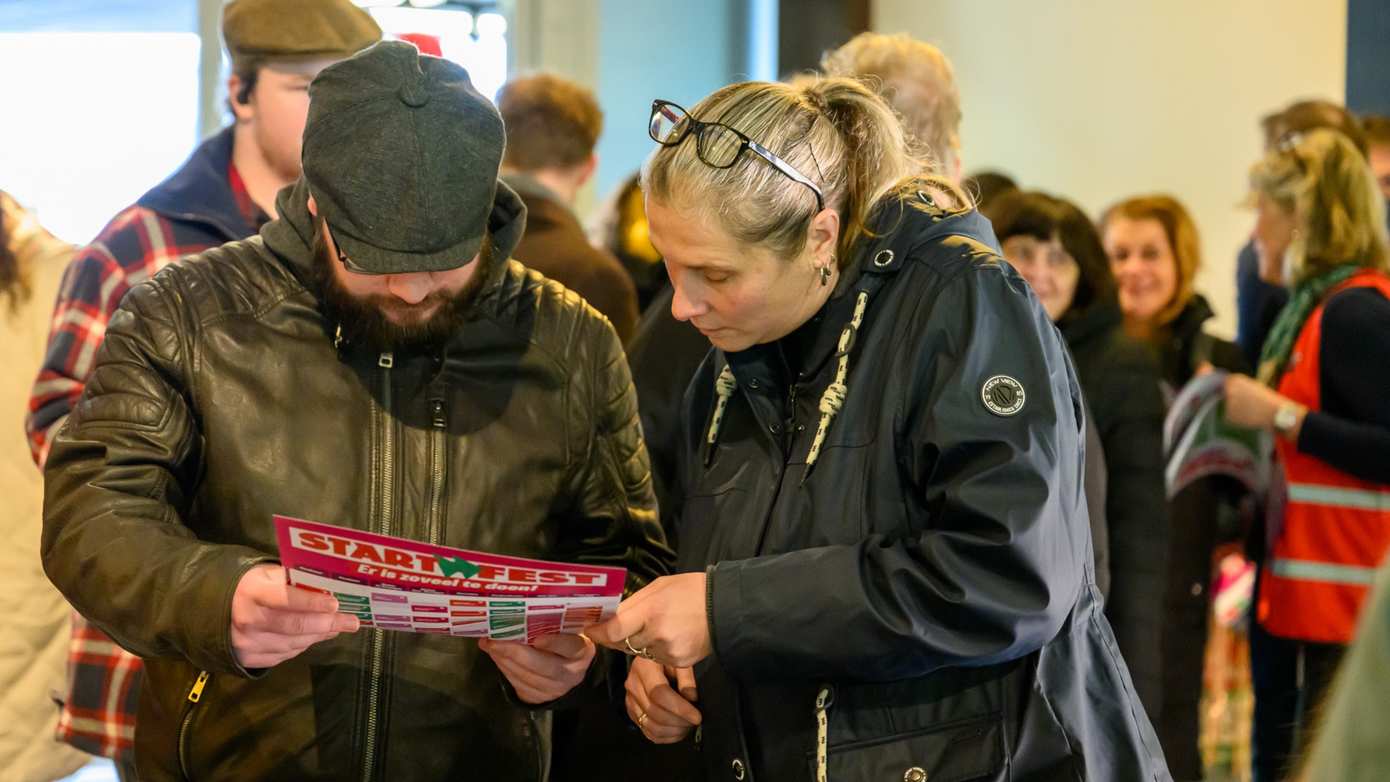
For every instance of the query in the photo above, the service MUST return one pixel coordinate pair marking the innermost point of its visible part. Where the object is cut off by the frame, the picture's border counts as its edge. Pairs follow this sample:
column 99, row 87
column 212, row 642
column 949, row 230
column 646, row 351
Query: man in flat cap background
column 223, row 192
column 371, row 359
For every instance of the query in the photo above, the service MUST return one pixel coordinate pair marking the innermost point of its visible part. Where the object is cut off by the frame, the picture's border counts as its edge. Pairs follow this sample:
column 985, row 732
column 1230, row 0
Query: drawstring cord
column 724, row 386
column 831, row 401
column 834, row 397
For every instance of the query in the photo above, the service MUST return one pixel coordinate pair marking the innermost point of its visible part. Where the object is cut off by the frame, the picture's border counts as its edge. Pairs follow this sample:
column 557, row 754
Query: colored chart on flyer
column 400, row 584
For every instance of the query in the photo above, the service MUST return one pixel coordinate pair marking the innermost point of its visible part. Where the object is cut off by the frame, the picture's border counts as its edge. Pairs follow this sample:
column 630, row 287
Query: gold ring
column 642, row 720
column 643, row 653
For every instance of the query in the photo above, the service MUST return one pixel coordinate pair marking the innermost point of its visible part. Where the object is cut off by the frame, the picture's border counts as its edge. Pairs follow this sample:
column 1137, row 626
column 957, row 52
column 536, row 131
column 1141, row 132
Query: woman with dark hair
column 1056, row 248
column 886, row 561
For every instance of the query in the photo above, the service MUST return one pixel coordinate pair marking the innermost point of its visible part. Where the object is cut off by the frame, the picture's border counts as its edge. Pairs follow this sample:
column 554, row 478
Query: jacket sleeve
column 998, row 564
column 118, row 482
column 92, row 287
column 1352, row 432
column 616, row 507
column 614, row 521
column 1137, row 513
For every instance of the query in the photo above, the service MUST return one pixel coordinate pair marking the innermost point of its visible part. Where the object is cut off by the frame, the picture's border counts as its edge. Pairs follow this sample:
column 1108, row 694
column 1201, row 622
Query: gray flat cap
column 401, row 154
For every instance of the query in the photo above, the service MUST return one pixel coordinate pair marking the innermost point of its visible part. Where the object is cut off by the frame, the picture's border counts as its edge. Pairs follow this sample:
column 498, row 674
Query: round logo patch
column 1003, row 395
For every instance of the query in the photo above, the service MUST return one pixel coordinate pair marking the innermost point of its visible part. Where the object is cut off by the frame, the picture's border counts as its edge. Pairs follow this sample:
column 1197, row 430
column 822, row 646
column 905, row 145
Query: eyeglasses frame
column 698, row 127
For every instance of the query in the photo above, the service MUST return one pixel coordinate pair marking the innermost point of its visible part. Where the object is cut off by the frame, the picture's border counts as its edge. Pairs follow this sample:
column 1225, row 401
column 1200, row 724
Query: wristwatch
column 1286, row 419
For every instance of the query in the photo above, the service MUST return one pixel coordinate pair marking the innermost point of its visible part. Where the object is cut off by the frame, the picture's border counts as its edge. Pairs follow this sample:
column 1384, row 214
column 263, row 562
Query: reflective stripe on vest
column 1339, row 497
column 1299, row 570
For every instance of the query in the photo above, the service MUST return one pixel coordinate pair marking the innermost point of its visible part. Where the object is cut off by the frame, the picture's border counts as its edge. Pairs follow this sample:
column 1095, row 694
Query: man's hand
column 273, row 621
column 543, row 671
column 665, row 621
column 664, row 714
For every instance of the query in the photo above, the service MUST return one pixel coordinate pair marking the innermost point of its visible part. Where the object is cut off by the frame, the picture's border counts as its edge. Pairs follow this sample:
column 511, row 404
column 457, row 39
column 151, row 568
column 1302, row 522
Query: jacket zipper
column 535, row 735
column 439, row 424
column 378, row 640
column 195, row 694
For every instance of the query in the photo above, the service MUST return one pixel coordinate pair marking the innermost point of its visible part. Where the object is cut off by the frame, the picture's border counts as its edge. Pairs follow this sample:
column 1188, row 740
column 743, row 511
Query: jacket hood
column 909, row 226
column 200, row 191
column 1188, row 324
column 291, row 237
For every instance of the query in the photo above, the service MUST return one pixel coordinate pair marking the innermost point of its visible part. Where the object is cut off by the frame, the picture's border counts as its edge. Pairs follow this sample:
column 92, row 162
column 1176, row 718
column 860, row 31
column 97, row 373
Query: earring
column 824, row 276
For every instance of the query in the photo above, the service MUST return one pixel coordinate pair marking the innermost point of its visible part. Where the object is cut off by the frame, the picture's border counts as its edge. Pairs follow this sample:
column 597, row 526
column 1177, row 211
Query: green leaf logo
column 456, row 566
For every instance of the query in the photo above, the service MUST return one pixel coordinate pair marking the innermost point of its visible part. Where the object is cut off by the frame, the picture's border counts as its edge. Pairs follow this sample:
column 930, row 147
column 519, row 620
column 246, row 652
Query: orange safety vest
column 1336, row 527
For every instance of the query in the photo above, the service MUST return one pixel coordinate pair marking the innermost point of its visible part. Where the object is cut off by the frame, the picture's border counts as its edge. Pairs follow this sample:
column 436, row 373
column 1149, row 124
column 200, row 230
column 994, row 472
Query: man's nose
column 410, row 288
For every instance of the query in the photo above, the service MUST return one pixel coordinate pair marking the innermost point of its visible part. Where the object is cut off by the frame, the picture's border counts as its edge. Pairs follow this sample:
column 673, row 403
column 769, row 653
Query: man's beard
column 363, row 321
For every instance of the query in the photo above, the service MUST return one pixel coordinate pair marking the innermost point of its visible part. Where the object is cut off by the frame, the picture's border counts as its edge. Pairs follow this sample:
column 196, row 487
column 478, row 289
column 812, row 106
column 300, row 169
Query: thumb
column 685, row 684
column 571, row 647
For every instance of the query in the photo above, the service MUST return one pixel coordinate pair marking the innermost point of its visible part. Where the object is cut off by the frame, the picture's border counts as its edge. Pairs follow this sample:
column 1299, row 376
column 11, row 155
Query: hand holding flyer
column 399, row 584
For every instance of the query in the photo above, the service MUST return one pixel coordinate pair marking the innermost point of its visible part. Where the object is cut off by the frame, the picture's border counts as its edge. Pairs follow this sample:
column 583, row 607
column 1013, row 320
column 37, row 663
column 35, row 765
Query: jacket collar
column 200, row 191
column 1188, row 324
column 1100, row 318
column 898, row 230
column 528, row 187
column 291, row 237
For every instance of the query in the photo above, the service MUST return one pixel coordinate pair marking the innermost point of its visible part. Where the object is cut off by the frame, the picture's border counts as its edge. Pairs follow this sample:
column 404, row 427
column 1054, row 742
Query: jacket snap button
column 775, row 429
column 883, row 258
column 738, row 768
column 753, row 383
column 915, row 774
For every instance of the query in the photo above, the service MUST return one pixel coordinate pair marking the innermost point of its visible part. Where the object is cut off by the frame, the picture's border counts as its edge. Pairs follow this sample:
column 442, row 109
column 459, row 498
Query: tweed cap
column 260, row 31
column 401, row 155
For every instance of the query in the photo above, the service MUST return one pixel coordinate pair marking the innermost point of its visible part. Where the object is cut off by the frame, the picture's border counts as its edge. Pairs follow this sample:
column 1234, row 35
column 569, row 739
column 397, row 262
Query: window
column 474, row 36
column 93, row 120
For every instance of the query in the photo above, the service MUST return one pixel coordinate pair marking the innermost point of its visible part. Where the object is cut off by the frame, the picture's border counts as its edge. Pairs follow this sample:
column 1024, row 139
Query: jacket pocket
column 958, row 752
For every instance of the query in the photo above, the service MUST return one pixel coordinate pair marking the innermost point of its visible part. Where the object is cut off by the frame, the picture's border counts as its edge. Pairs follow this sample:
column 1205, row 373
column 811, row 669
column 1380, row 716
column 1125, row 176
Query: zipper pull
column 195, row 694
column 437, row 418
column 386, row 360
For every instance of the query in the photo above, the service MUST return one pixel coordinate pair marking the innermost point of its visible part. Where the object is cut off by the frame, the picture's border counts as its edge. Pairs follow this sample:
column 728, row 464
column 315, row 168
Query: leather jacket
column 220, row 398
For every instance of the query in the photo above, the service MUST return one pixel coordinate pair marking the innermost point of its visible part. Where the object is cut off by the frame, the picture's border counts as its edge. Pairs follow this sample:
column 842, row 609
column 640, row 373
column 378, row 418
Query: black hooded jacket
column 921, row 599
column 1120, row 379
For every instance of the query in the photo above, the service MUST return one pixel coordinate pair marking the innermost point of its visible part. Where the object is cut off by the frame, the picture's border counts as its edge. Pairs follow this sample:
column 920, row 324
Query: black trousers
column 1290, row 680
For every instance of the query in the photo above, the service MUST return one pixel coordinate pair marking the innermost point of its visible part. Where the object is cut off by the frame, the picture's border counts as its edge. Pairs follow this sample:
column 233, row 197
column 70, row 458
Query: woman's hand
column 1252, row 404
column 665, row 621
column 663, row 713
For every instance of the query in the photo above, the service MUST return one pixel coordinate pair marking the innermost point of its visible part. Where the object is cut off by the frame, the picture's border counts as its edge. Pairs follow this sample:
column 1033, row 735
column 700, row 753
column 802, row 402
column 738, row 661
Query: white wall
column 629, row 52
column 1097, row 100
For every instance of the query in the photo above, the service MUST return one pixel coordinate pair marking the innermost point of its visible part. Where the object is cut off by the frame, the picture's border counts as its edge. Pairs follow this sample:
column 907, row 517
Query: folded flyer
column 1199, row 441
column 399, row 584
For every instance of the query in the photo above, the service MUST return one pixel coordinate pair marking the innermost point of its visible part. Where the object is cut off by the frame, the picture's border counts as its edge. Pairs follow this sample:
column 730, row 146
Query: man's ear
column 242, row 110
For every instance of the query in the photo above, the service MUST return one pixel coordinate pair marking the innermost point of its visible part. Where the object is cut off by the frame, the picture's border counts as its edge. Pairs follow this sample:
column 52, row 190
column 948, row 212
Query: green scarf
column 1303, row 299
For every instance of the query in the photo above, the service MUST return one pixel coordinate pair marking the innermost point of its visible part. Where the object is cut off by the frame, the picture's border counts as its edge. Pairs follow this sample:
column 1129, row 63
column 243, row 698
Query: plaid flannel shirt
column 204, row 204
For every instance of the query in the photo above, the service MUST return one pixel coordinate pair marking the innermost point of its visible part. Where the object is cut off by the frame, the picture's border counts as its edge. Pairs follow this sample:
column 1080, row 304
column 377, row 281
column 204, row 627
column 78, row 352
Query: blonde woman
column 33, row 655
column 1321, row 386
column 886, row 556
